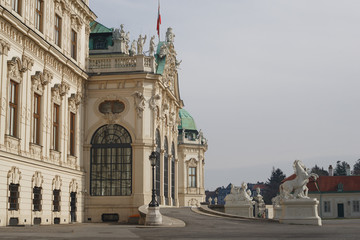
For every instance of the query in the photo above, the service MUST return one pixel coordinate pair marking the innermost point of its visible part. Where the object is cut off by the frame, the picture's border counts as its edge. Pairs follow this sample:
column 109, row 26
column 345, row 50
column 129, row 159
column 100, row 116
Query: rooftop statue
column 170, row 36
column 119, row 38
column 152, row 46
column 127, row 41
column 297, row 185
column 133, row 48
column 140, row 44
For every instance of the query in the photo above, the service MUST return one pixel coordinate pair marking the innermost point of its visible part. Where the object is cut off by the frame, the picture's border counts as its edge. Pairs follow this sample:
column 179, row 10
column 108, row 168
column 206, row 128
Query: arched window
column 111, row 162
column 166, row 170
column 173, row 173
column 158, row 148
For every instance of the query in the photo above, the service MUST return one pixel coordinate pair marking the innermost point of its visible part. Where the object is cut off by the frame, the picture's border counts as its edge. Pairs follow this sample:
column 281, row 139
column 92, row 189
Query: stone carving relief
column 74, row 101
column 57, row 182
column 139, row 103
column 73, row 186
column 14, row 175
column 4, row 47
column 55, row 156
column 39, row 80
column 47, row 77
column 15, row 69
column 27, row 63
column 12, row 144
column 191, row 163
column 239, row 196
column 153, row 102
column 36, row 151
column 58, row 91
column 193, row 202
column 37, row 179
column 76, row 22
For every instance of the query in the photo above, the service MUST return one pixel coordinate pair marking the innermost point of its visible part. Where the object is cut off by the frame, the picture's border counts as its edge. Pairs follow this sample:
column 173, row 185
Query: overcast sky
column 267, row 81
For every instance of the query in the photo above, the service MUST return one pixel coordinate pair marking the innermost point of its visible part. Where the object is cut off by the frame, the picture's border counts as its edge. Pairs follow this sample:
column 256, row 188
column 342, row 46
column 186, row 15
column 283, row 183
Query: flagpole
column 158, row 21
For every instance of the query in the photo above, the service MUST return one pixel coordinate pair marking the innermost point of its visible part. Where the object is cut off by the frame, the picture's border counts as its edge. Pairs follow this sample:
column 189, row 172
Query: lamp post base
column 153, row 216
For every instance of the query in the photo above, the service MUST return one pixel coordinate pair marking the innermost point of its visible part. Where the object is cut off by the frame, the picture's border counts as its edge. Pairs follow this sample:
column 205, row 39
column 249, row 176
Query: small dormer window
column 99, row 43
column 340, row 187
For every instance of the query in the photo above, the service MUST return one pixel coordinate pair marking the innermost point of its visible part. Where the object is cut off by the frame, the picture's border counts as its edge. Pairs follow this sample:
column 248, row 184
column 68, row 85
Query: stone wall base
column 241, row 210
column 300, row 211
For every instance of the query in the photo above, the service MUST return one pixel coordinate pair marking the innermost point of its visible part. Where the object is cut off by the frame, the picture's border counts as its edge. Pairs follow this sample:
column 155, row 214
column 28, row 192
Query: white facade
column 337, row 204
column 32, row 61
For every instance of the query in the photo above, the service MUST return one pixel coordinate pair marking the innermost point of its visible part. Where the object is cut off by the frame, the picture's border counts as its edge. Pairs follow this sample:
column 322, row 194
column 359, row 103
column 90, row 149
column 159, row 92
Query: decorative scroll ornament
column 58, row 91
column 74, row 101
column 27, row 63
column 37, row 179
column 39, row 80
column 15, row 69
column 153, row 102
column 139, row 103
column 76, row 22
column 4, row 47
column 73, row 186
column 57, row 182
column 14, row 175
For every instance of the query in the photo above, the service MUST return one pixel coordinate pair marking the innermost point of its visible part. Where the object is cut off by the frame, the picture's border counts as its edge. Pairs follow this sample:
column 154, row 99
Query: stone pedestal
column 300, row 211
column 245, row 210
column 153, row 216
column 277, row 212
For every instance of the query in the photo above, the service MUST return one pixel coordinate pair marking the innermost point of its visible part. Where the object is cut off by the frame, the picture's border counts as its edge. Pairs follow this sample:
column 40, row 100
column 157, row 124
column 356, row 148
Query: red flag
column 158, row 20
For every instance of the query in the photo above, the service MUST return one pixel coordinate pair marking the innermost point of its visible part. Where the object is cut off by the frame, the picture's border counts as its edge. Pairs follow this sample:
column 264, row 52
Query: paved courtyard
column 198, row 226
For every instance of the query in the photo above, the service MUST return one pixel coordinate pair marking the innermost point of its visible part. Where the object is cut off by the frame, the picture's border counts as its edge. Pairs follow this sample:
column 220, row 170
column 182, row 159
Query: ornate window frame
column 37, row 193
column 56, row 186
column 15, row 77
column 14, row 177
column 192, row 175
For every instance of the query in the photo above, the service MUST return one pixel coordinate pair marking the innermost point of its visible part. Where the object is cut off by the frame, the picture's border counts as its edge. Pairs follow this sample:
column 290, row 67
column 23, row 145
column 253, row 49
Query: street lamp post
column 153, row 202
column 153, row 216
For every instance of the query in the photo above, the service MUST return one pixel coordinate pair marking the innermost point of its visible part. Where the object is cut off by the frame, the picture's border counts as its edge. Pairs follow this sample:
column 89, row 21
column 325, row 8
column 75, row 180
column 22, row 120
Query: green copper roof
column 96, row 27
column 187, row 122
column 160, row 61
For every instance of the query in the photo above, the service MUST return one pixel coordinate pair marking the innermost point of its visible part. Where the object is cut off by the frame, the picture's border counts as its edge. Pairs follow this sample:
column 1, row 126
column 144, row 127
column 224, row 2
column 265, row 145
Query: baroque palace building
column 78, row 123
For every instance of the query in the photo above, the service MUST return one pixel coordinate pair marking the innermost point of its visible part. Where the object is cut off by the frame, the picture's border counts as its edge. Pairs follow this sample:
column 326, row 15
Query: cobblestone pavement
column 198, row 226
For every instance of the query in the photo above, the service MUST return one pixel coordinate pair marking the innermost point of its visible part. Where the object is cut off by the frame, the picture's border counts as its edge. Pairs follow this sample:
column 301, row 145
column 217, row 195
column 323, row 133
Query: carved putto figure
column 152, row 46
column 297, row 185
column 140, row 44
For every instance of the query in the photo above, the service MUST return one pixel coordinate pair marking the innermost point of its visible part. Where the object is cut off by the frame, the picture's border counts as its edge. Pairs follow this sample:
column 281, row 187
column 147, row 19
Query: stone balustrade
column 111, row 63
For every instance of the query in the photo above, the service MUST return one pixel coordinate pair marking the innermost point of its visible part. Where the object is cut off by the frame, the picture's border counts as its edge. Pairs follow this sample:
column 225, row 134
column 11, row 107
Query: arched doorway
column 111, row 162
